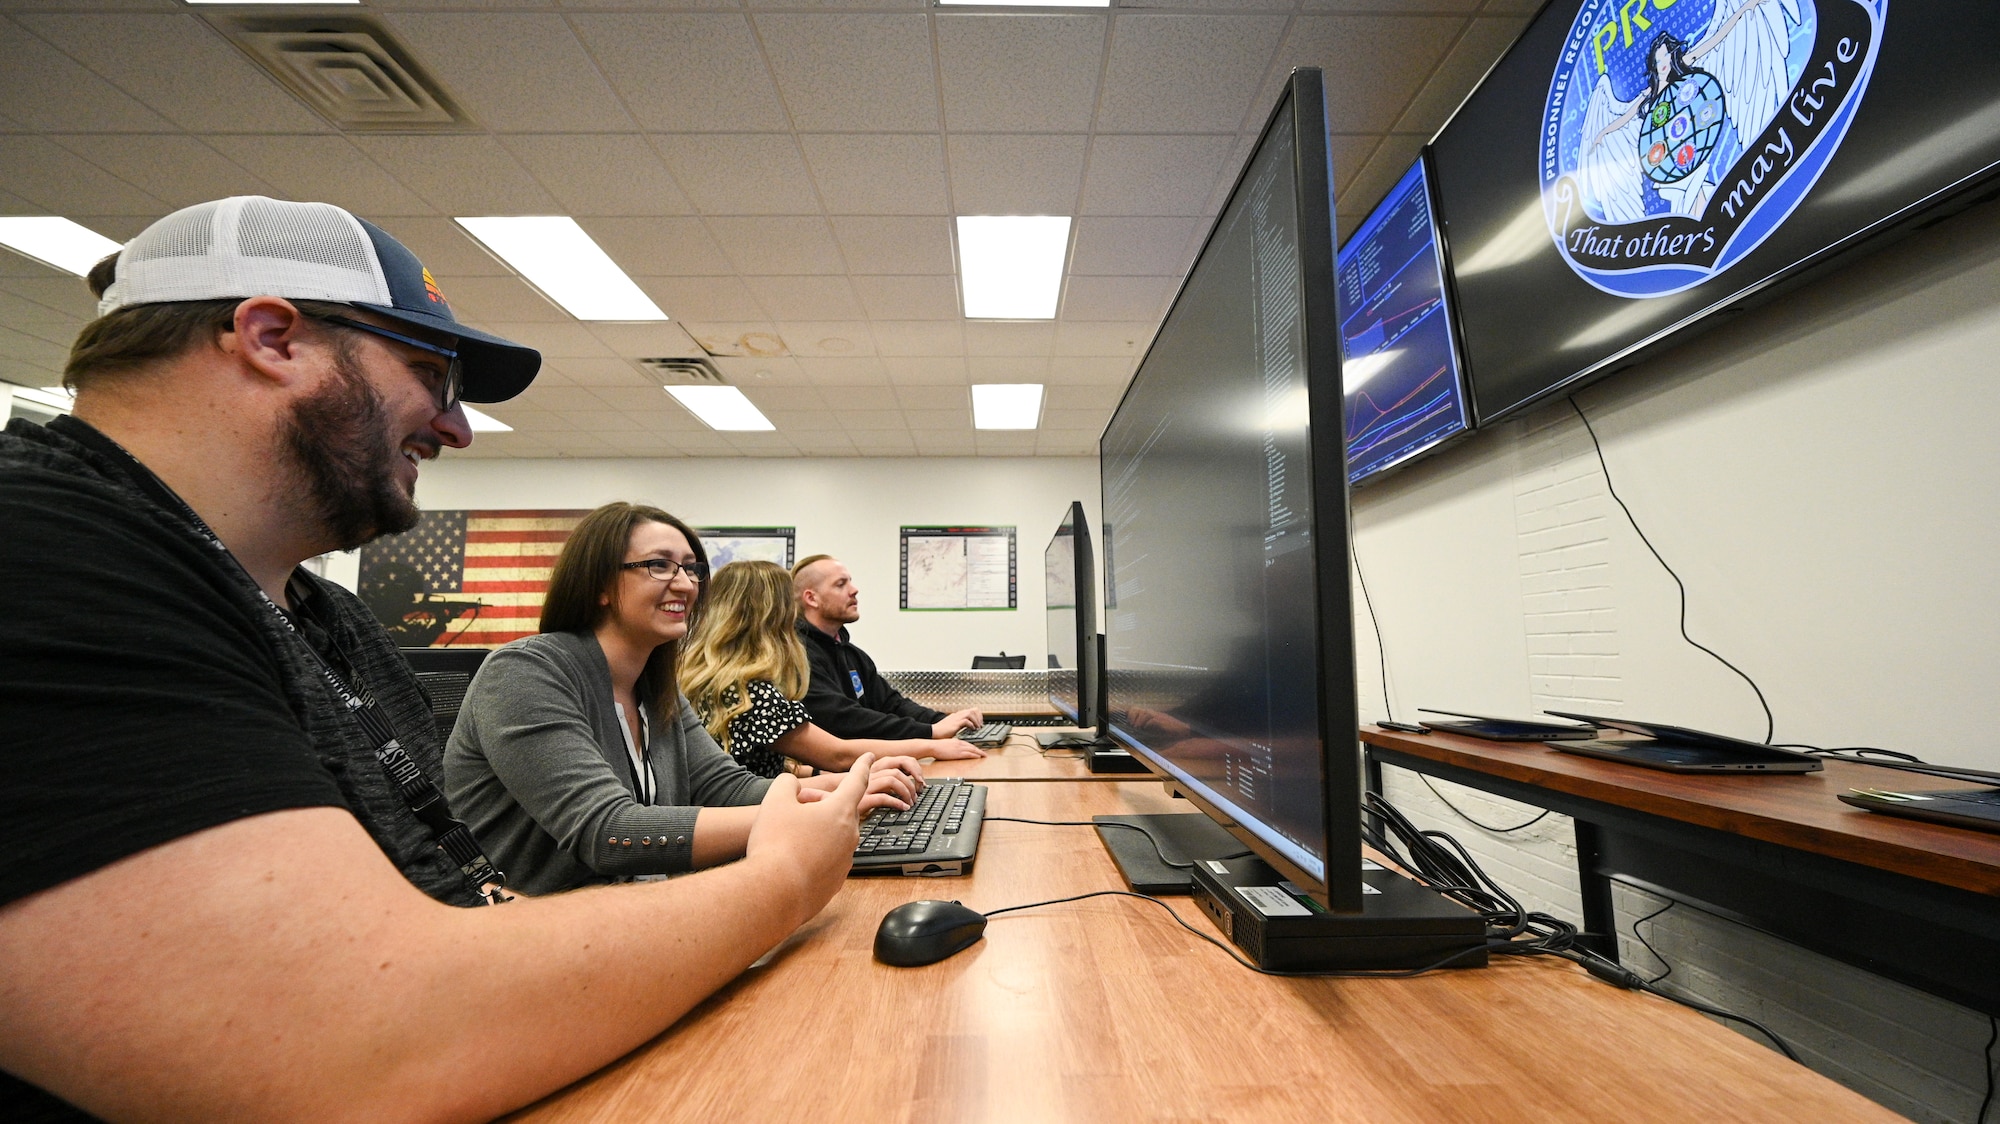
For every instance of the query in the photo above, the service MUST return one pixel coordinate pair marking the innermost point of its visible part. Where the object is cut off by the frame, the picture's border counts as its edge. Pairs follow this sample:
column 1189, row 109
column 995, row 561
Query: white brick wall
column 1568, row 605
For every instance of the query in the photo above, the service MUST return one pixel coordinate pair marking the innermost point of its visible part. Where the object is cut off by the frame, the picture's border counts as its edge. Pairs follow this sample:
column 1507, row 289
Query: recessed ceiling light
column 721, row 407
column 55, row 241
column 557, row 257
column 484, row 423
column 1010, row 266
column 47, row 397
column 1006, row 405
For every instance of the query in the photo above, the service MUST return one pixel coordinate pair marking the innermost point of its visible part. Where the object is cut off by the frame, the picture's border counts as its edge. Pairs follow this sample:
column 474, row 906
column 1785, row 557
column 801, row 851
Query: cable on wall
column 1770, row 723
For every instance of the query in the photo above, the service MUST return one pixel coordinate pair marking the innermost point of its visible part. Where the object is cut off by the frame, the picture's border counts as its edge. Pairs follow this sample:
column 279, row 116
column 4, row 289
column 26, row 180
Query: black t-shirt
column 147, row 694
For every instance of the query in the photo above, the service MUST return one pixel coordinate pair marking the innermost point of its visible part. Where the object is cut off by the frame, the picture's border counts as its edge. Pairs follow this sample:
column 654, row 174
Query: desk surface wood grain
column 1104, row 1010
column 1800, row 810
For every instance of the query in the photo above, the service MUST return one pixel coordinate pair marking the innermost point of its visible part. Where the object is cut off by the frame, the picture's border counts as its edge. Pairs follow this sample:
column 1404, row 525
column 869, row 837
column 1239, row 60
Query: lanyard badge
column 854, row 677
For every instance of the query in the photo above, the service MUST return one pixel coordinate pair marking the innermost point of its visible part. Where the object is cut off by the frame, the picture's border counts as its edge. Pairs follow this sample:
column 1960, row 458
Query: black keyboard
column 1042, row 720
column 991, row 734
column 939, row 815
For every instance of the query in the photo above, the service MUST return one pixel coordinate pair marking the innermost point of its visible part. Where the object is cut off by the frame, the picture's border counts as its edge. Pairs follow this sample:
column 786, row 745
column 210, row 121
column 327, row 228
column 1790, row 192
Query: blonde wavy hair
column 747, row 631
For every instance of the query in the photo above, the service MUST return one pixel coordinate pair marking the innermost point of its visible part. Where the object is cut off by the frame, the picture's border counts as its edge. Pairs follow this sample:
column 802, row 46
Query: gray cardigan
column 537, row 767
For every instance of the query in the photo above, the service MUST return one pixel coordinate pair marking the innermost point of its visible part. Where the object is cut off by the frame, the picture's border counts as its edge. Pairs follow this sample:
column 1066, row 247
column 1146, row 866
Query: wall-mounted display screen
column 1632, row 165
column 1399, row 362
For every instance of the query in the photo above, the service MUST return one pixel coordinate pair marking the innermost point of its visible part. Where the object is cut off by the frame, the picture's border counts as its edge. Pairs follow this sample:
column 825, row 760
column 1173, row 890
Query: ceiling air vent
column 350, row 70
column 683, row 372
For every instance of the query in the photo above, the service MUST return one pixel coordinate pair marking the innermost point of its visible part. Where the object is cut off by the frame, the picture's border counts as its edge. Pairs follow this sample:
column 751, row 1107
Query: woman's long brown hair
column 587, row 569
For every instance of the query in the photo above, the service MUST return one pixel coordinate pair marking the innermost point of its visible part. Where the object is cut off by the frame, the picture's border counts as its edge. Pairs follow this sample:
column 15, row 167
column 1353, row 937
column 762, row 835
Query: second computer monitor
column 1070, row 575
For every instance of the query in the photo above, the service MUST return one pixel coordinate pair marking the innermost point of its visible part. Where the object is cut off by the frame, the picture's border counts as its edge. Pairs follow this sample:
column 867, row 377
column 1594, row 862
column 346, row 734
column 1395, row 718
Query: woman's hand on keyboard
column 954, row 750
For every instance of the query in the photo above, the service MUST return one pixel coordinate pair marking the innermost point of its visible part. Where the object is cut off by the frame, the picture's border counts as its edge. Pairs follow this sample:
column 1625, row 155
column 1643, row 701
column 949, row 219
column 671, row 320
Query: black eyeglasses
column 665, row 569
column 454, row 371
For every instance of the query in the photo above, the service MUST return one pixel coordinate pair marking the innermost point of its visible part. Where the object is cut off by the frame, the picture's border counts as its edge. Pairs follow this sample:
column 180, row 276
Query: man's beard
column 339, row 444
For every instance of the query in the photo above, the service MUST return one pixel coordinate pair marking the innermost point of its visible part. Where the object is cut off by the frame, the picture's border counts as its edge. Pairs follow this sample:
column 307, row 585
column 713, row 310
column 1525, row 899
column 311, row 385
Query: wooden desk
column 1023, row 759
column 1909, row 900
column 1103, row 1010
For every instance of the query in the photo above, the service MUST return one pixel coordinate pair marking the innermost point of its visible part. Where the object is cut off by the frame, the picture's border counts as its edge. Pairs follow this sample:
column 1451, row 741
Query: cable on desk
column 1770, row 723
column 1460, row 813
column 1150, row 837
column 1988, row 1102
column 1441, row 863
column 1374, row 623
column 1618, row 975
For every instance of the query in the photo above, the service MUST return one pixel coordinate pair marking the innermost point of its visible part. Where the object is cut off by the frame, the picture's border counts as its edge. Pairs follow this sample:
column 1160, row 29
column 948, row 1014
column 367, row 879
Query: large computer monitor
column 1070, row 575
column 1398, row 350
column 1229, row 630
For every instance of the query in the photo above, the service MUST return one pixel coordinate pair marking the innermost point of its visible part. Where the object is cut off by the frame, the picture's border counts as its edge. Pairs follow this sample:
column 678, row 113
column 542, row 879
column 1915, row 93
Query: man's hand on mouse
column 811, row 833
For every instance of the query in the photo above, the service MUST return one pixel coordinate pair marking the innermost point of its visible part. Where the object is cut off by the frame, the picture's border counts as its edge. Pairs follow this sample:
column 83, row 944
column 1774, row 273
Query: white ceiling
column 779, row 175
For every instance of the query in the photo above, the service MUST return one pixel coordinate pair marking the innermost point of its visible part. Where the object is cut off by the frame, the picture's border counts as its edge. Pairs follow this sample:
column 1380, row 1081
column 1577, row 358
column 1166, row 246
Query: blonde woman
column 744, row 671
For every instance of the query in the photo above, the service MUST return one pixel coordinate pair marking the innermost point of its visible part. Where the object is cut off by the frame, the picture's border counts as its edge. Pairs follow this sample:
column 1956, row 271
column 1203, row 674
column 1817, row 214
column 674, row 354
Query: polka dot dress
column 753, row 733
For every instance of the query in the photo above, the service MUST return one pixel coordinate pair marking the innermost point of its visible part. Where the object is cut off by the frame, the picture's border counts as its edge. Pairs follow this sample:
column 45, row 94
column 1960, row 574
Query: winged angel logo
column 1679, row 134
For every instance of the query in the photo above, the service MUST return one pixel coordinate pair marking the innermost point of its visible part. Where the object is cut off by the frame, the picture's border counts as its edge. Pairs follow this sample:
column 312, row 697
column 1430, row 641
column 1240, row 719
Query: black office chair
column 444, row 674
column 1001, row 662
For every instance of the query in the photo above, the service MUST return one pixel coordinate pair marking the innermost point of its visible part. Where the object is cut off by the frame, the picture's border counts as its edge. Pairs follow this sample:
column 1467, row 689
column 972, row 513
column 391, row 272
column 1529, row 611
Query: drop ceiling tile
column 910, row 398
column 1003, row 174
column 919, row 337
column 779, row 244
column 327, row 169
column 1091, row 420
column 501, row 298
column 1404, row 7
column 1102, row 339
column 936, row 422
column 861, row 421
column 1134, row 247
column 1153, row 175
column 826, row 373
column 1096, row 400
column 1006, row 368
column 180, row 68
column 461, row 175
column 740, row 173
column 646, row 340
column 1004, row 442
column 872, row 397
column 1117, row 298
column 1374, row 64
column 1009, row 337
column 761, row 444
column 601, row 174
column 554, row 340
column 1349, row 151
column 748, row 339
column 829, row 339
column 853, row 71
column 514, row 71
column 1188, row 73
column 444, row 247
column 25, row 314
column 1019, row 73
column 943, row 446
column 759, row 371
column 20, row 372
column 805, row 298
column 894, row 245
column 52, row 289
column 658, row 247
column 886, row 443
column 1114, row 370
column 801, row 423
column 601, row 421
column 558, row 399
column 903, row 298
column 928, row 371
column 638, row 401
column 180, row 170
column 43, row 88
column 877, row 174
column 799, row 401
column 61, row 183
column 702, row 298
column 826, row 445
column 26, row 348
column 682, row 71
column 1066, row 442
column 1390, row 161
column 602, row 372
column 1482, row 44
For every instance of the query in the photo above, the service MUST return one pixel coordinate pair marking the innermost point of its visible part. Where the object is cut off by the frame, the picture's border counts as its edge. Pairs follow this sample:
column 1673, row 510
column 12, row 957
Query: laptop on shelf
column 1506, row 729
column 1977, row 808
column 1677, row 749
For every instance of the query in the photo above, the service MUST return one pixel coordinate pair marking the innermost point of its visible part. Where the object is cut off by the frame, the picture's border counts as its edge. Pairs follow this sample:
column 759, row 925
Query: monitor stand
column 1402, row 925
column 1184, row 837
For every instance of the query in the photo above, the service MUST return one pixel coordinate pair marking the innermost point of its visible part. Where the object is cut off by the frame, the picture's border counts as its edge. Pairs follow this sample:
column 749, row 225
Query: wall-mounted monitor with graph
column 1399, row 357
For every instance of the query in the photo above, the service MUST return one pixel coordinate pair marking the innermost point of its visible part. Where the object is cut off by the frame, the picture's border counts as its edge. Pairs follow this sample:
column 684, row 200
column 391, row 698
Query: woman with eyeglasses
column 575, row 760
column 745, row 671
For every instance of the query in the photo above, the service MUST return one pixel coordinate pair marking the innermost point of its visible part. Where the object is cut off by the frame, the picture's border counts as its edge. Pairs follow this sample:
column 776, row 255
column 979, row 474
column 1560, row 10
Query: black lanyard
column 412, row 784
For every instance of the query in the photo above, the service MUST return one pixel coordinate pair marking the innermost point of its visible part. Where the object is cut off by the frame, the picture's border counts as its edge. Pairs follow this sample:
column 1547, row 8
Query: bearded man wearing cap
column 230, row 886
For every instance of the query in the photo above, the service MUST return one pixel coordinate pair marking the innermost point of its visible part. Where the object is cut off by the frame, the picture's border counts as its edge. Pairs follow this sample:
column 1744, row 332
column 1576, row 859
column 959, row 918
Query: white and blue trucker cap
column 251, row 246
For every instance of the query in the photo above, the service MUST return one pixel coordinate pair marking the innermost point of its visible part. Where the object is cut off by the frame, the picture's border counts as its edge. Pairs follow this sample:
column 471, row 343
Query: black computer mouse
column 918, row 933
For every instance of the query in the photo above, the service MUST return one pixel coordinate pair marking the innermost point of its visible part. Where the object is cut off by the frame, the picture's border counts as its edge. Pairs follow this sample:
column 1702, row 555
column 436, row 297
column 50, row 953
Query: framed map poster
column 748, row 544
column 958, row 568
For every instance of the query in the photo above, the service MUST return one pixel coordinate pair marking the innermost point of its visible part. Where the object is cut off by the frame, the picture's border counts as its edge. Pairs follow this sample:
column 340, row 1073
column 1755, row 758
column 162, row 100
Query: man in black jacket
column 848, row 698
